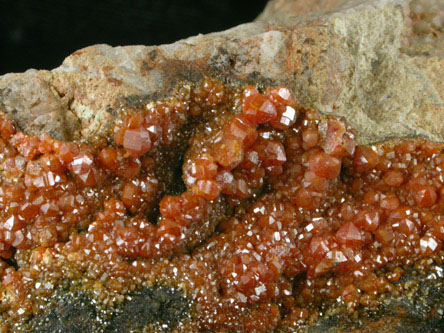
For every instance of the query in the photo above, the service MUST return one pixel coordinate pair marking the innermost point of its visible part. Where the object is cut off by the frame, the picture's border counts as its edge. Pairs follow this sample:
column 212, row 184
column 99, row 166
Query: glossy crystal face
column 260, row 209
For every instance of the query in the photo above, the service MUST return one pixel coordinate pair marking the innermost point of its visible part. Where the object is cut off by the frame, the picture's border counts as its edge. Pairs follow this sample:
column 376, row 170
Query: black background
column 41, row 33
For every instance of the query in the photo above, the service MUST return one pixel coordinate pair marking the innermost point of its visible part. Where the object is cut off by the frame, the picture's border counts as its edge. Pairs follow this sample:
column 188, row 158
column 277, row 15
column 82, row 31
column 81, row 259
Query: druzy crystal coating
column 281, row 209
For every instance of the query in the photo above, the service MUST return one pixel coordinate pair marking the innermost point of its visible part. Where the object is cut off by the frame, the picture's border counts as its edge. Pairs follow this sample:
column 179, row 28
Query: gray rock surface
column 75, row 312
column 377, row 63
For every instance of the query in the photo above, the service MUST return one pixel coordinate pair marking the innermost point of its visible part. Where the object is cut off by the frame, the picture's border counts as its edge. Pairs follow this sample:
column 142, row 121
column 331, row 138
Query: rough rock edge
column 363, row 60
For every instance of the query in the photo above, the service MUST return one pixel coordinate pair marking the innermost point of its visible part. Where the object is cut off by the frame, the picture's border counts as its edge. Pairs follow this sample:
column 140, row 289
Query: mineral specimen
column 136, row 193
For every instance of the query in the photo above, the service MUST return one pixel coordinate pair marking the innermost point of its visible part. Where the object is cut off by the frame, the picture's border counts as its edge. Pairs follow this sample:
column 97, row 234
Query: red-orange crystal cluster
column 294, row 199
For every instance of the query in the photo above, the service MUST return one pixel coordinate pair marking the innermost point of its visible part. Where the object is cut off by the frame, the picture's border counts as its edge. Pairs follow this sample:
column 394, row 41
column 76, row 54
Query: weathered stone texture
column 377, row 63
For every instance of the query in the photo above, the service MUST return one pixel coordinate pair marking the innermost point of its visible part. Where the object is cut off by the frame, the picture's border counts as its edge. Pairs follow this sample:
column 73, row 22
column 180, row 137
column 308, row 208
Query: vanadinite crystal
column 278, row 211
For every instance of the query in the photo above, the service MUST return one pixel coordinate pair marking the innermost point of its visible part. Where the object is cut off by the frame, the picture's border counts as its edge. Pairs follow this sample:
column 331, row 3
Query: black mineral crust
column 158, row 305
column 419, row 308
column 147, row 309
